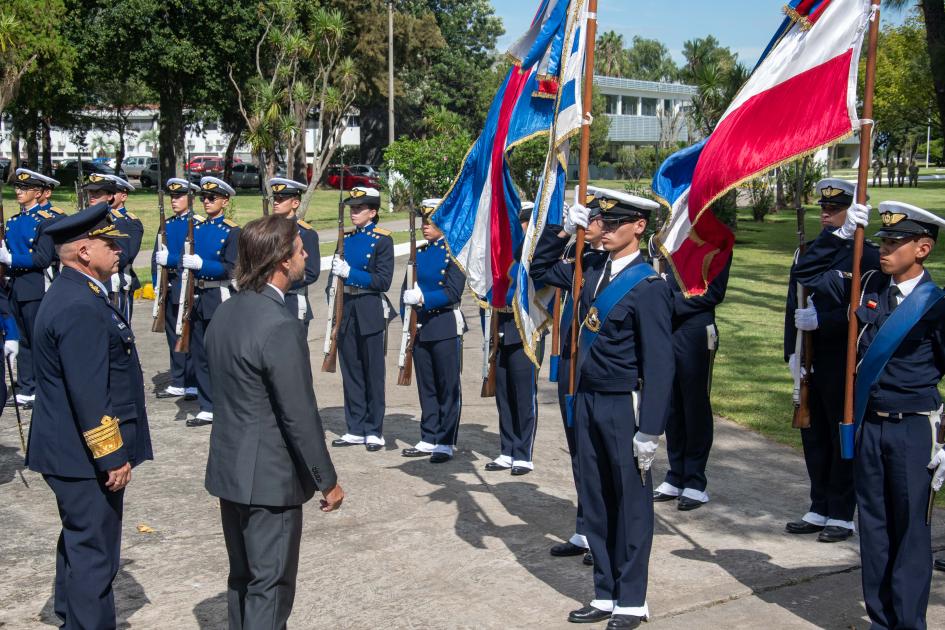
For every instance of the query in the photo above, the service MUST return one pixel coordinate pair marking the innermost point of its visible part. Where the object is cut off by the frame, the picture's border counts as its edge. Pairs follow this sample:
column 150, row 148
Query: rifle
column 3, row 235
column 80, row 199
column 804, row 347
column 160, row 294
column 16, row 405
column 336, row 292
column 490, row 352
column 187, row 285
column 409, row 336
column 265, row 202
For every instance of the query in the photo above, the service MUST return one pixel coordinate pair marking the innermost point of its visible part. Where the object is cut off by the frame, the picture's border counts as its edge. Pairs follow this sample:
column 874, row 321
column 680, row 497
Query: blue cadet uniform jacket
column 370, row 253
column 906, row 385
column 442, row 283
column 296, row 300
column 830, row 338
column 618, row 362
column 215, row 242
column 131, row 225
column 10, row 333
column 90, row 414
column 176, row 228
column 32, row 252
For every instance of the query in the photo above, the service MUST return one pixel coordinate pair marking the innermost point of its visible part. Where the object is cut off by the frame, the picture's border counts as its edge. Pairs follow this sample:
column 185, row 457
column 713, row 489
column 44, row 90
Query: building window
column 631, row 105
column 649, row 107
column 613, row 104
column 668, row 106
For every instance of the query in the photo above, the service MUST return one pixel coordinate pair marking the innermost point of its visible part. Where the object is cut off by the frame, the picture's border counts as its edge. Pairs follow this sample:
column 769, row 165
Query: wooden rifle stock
column 337, row 299
column 410, row 331
column 3, row 236
column 187, row 288
column 160, row 298
column 488, row 380
column 801, row 418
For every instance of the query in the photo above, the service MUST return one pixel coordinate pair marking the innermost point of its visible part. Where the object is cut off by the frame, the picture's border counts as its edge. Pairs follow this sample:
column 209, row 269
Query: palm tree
column 610, row 55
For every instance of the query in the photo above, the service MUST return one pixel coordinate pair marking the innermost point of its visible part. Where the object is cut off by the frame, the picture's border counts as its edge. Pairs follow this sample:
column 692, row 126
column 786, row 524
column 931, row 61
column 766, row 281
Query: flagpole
column 847, row 428
column 590, row 47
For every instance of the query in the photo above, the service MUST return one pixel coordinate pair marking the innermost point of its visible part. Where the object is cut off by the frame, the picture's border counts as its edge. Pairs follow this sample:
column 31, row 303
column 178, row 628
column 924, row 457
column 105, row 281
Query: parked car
column 214, row 163
column 333, row 178
column 4, row 168
column 365, row 169
column 133, row 165
column 68, row 173
column 245, row 175
column 150, row 175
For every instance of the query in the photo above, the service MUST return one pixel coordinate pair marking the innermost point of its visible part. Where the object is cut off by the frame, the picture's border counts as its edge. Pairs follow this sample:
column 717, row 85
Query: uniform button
column 440, row 283
column 368, row 255
column 442, row 272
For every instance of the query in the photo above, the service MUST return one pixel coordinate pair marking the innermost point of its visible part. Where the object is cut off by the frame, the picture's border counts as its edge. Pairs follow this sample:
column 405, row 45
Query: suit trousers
column 832, row 491
column 198, row 354
column 182, row 364
column 689, row 427
column 25, row 313
column 563, row 385
column 262, row 544
column 88, row 551
column 437, row 364
column 892, row 493
column 516, row 400
column 362, row 375
column 618, row 507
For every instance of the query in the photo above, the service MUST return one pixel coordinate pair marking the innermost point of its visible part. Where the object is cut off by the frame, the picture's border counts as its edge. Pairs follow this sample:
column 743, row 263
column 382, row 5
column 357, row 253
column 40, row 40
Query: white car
column 134, row 164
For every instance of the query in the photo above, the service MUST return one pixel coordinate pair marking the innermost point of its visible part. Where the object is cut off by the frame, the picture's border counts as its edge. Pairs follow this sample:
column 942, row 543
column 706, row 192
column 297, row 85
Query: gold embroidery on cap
column 892, row 218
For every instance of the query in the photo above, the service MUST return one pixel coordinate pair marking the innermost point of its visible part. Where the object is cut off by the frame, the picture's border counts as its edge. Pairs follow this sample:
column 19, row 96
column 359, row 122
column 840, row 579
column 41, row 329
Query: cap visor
column 897, row 236
column 114, row 234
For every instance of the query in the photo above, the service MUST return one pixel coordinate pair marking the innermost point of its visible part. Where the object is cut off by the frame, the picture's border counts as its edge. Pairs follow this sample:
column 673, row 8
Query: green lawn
column 751, row 384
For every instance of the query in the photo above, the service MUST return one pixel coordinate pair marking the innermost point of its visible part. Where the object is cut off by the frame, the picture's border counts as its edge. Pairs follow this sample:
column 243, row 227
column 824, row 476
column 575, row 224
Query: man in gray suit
column 267, row 448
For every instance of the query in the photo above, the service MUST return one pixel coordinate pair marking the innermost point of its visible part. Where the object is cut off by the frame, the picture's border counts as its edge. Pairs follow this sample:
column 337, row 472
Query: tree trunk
column 32, row 146
column 14, row 154
column 171, row 131
column 935, row 38
column 779, row 200
column 228, row 155
column 45, row 126
column 300, row 163
column 122, row 125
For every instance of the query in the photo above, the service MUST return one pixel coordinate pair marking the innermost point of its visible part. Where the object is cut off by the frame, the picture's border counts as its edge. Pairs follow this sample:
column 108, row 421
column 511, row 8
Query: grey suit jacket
column 267, row 445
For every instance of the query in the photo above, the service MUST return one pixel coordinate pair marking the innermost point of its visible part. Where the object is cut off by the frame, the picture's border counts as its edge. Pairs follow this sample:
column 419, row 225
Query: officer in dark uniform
column 11, row 340
column 213, row 261
column 897, row 410
column 368, row 270
column 516, row 384
column 114, row 191
column 832, row 498
column 29, row 254
column 593, row 250
column 287, row 197
column 183, row 378
column 89, row 427
column 629, row 307
column 690, row 425
column 438, row 347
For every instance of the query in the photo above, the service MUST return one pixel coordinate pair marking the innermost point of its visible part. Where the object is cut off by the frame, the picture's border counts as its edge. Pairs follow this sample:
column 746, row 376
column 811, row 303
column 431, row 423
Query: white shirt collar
column 906, row 287
column 616, row 266
column 276, row 289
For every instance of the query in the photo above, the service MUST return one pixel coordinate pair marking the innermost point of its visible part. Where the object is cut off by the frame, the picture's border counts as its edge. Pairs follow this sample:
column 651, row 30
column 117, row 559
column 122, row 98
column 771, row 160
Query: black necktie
column 893, row 298
column 605, row 280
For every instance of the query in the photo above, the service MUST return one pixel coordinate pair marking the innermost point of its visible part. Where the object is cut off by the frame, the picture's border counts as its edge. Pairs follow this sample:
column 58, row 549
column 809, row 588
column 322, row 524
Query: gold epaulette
column 199, row 219
column 57, row 210
column 231, row 223
column 104, row 439
column 304, row 225
column 44, row 214
column 382, row 231
column 131, row 216
column 116, row 213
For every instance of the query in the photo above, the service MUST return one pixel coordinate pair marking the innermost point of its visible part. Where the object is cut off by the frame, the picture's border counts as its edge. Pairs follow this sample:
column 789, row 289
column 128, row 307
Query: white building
column 646, row 112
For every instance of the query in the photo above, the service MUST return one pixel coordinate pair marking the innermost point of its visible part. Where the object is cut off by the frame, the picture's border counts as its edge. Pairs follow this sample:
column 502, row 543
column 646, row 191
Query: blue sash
column 566, row 314
column 884, row 345
column 600, row 310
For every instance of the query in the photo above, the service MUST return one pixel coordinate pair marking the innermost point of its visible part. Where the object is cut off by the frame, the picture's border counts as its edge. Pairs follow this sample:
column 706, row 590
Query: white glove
column 5, row 256
column 11, row 348
column 796, row 370
column 340, row 267
column 160, row 257
column 576, row 217
column 857, row 215
column 414, row 296
column 938, row 465
column 644, row 449
column 806, row 318
column 192, row 261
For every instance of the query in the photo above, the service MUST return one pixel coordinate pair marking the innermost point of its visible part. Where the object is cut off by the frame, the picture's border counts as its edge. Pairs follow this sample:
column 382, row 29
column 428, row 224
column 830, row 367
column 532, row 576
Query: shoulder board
column 116, row 214
column 44, row 214
column 871, row 244
column 382, row 231
column 349, row 233
column 231, row 223
column 131, row 216
column 57, row 210
column 199, row 219
column 423, row 245
column 305, row 226
column 653, row 278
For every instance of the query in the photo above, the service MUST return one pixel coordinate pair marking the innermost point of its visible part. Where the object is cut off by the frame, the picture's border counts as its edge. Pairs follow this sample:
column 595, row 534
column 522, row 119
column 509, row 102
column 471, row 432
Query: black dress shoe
column 26, row 406
column 588, row 614
column 439, row 458
column 939, row 564
column 190, row 396
column 198, row 422
column 624, row 622
column 372, row 448
column 518, row 471
column 660, row 497
column 413, row 452
column 832, row 534
column 565, row 549
column 343, row 442
column 802, row 527
column 686, row 504
column 588, row 559
column 493, row 466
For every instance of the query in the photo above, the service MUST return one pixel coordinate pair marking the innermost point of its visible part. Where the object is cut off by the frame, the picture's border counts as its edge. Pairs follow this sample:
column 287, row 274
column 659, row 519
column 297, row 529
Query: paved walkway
column 443, row 546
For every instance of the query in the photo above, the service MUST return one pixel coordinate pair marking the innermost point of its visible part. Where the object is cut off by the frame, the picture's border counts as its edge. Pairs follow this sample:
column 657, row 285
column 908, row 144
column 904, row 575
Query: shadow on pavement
column 11, row 464
column 129, row 599
column 211, row 612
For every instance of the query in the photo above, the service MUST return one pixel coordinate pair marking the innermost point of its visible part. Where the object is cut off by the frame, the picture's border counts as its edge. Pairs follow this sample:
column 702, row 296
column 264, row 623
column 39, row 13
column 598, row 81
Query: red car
column 208, row 164
column 351, row 179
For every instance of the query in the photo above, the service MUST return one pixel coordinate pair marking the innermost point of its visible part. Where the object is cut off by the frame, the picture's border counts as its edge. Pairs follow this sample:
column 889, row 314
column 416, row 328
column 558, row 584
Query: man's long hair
column 263, row 244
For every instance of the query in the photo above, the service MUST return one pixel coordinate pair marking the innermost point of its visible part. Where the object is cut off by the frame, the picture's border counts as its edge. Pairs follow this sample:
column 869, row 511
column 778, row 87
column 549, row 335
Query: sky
column 745, row 26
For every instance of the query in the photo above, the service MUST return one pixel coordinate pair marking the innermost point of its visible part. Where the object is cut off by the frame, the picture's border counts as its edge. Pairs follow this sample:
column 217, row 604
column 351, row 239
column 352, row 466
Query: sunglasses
column 209, row 198
column 26, row 187
column 612, row 225
column 281, row 198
